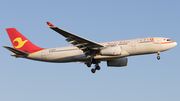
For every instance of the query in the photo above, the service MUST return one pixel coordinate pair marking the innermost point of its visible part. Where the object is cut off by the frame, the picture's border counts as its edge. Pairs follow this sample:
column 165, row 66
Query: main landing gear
column 97, row 67
column 158, row 57
column 88, row 64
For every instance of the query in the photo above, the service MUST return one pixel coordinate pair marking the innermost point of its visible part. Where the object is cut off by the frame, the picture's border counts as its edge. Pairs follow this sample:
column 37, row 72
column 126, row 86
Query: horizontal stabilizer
column 17, row 52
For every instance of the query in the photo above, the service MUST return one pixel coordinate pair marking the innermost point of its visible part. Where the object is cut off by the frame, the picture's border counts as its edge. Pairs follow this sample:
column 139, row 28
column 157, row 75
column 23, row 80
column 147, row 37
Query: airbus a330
column 86, row 51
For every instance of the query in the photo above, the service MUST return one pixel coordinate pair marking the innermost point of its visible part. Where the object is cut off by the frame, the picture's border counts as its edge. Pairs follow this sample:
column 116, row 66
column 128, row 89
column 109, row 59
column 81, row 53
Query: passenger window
column 168, row 39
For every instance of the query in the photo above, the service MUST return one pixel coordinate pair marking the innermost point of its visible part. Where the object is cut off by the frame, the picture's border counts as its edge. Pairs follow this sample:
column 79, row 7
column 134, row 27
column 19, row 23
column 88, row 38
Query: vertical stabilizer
column 20, row 42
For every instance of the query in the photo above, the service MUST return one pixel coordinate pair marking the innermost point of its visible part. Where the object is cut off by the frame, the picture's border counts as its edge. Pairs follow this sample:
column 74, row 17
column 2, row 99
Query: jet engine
column 117, row 62
column 111, row 51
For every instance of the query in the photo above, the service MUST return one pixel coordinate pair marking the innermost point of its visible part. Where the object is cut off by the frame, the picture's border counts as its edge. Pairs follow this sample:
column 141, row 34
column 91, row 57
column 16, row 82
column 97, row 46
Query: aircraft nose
column 175, row 43
column 169, row 45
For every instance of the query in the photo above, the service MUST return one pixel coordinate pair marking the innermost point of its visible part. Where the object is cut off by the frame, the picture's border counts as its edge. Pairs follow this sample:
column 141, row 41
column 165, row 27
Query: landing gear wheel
column 89, row 64
column 158, row 57
column 93, row 70
column 98, row 67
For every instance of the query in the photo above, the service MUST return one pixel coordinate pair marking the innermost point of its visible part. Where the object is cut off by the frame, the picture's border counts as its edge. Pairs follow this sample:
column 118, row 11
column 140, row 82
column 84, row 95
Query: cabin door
column 133, row 45
column 43, row 54
column 157, row 44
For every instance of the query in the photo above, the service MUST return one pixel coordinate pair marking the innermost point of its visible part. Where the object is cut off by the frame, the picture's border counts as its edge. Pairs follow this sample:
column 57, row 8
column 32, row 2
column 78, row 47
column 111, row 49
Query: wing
column 85, row 45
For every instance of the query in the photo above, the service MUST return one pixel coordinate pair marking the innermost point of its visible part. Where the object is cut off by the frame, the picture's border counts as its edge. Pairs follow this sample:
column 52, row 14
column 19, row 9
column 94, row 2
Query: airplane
column 87, row 51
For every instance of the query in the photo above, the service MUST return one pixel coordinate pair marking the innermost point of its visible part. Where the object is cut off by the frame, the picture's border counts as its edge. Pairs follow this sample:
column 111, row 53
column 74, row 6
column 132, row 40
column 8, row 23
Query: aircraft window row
column 168, row 39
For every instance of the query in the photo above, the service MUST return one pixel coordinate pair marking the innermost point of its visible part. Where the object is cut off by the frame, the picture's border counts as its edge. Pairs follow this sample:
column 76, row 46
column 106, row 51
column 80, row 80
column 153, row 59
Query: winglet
column 49, row 24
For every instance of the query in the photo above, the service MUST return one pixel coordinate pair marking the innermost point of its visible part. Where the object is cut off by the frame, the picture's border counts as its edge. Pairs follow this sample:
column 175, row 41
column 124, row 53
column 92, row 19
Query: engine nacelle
column 111, row 51
column 117, row 62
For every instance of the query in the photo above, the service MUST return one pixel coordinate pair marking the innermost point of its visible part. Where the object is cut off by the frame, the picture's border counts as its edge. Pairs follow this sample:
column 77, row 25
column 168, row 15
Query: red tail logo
column 20, row 42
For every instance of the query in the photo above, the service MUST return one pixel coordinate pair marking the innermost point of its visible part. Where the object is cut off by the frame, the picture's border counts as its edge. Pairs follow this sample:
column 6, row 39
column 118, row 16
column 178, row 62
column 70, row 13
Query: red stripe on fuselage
column 163, row 42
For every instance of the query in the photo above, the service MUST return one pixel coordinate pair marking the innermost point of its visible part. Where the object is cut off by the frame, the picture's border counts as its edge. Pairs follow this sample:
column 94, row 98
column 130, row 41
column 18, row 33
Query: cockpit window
column 168, row 39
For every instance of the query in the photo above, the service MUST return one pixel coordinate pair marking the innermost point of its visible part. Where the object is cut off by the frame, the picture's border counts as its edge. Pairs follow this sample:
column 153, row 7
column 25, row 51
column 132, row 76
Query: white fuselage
column 129, row 48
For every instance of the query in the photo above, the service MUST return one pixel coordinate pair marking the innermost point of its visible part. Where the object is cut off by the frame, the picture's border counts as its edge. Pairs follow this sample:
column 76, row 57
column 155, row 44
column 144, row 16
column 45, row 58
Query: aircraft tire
column 158, row 57
column 93, row 70
column 98, row 67
column 88, row 64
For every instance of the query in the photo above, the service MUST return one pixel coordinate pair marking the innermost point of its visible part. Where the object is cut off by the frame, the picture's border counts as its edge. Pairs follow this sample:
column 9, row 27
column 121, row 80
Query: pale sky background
column 144, row 79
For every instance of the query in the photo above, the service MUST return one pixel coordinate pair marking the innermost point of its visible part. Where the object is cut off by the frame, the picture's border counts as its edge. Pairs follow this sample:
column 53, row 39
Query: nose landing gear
column 158, row 57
